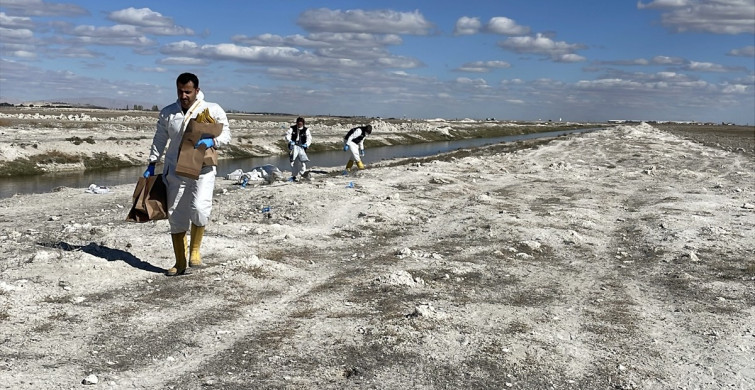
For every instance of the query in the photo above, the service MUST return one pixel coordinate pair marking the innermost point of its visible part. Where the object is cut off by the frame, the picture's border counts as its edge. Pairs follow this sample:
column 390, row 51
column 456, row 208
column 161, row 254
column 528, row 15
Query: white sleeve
column 220, row 117
column 289, row 133
column 160, row 140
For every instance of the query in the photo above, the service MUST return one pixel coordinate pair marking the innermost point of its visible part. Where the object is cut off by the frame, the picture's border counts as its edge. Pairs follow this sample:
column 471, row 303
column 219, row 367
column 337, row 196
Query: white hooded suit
column 189, row 201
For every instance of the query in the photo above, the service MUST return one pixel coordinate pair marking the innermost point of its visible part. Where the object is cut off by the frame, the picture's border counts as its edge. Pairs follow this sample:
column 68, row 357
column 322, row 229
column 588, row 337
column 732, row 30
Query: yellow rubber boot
column 360, row 165
column 195, row 260
column 179, row 248
column 349, row 164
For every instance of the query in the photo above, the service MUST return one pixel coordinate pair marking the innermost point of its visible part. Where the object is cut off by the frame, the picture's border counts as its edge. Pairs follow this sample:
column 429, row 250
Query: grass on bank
column 37, row 165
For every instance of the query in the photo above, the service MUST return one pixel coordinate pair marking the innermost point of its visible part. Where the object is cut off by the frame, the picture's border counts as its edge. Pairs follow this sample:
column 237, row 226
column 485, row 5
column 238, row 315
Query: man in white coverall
column 299, row 138
column 189, row 200
column 354, row 141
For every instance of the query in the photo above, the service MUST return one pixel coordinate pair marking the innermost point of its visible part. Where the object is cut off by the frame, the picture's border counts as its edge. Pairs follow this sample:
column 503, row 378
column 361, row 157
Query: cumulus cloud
column 151, row 22
column 713, row 16
column 477, row 83
column 78, row 52
column 467, row 26
column 736, row 89
column 361, row 21
column 339, row 50
column 506, row 26
column 186, row 61
column 15, row 21
column 140, row 17
column 117, row 35
column 712, row 67
column 43, row 8
column 636, row 61
column 747, row 51
column 665, row 60
column 15, row 35
column 679, row 63
column 317, row 40
column 541, row 44
column 483, row 66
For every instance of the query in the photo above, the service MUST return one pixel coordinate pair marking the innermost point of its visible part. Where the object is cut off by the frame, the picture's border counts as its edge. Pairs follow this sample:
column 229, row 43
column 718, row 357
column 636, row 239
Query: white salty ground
column 621, row 259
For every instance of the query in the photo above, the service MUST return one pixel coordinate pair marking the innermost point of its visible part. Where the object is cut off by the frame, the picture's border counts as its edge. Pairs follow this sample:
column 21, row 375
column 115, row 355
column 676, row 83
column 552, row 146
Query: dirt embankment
column 37, row 142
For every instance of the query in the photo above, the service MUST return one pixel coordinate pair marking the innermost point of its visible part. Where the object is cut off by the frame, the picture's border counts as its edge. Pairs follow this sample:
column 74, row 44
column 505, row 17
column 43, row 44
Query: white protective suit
column 189, row 201
column 300, row 137
column 355, row 139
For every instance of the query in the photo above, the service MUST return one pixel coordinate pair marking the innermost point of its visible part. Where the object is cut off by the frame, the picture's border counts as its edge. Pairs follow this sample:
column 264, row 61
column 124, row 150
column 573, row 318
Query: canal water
column 322, row 160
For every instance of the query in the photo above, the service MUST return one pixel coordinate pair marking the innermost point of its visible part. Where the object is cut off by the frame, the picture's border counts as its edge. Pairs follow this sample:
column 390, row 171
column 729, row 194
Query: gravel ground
column 616, row 259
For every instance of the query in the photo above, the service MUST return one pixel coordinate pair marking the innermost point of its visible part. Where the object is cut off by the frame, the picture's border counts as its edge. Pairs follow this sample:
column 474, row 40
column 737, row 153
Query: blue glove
column 207, row 142
column 361, row 152
column 345, row 148
column 305, row 146
column 150, row 171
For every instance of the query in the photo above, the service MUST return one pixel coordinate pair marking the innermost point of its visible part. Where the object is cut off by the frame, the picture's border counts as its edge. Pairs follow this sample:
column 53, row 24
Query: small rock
column 90, row 380
column 748, row 206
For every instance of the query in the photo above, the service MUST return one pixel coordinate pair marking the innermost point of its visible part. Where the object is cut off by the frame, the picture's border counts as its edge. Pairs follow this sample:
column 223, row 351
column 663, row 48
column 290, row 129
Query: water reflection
column 330, row 159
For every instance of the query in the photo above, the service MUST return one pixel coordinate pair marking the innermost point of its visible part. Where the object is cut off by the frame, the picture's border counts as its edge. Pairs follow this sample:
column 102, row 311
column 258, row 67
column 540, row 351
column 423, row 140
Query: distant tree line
column 139, row 107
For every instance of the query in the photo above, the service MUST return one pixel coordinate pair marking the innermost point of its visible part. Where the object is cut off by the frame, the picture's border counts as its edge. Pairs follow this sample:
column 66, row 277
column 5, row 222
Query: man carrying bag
column 189, row 191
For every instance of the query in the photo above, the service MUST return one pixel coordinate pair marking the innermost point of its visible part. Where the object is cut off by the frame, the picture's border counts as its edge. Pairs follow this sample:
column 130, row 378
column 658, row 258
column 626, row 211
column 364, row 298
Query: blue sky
column 586, row 60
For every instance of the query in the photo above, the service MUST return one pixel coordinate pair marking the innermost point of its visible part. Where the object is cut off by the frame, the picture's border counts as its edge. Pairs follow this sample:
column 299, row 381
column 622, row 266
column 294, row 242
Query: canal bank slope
column 40, row 141
column 615, row 259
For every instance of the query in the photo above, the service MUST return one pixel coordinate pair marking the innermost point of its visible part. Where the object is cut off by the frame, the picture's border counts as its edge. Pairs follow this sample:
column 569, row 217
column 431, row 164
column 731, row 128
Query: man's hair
column 184, row 78
column 300, row 119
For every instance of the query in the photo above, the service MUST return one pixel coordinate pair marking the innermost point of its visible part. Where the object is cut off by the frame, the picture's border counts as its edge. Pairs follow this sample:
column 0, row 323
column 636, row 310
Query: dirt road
column 616, row 259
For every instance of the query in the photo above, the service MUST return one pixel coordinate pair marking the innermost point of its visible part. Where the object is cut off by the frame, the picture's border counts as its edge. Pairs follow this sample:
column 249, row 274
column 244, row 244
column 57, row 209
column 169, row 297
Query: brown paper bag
column 150, row 200
column 191, row 160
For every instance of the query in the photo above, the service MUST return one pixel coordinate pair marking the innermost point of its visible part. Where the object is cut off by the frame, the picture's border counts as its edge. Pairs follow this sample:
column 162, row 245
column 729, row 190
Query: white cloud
column 119, row 30
column 713, row 16
column 636, row 61
column 662, row 4
column 325, row 39
column 144, row 17
column 569, row 57
column 43, row 8
column 541, row 44
column 182, row 61
column 476, row 83
column 118, row 35
column 15, row 35
column 361, row 21
column 736, row 89
column 149, row 22
column 706, row 67
column 467, row 26
column 78, row 52
column 15, row 22
column 23, row 54
column 664, row 60
column 483, row 66
column 506, row 26
column 747, row 51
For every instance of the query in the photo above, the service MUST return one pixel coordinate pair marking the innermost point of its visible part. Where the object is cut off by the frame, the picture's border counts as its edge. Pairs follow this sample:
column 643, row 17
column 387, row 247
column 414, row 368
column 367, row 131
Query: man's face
column 300, row 124
column 187, row 94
